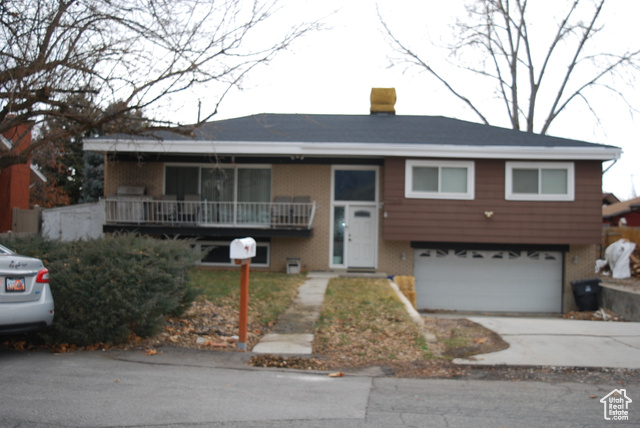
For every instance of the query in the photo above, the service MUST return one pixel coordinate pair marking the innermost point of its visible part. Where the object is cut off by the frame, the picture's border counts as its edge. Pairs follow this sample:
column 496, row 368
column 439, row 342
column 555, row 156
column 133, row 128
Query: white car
column 26, row 302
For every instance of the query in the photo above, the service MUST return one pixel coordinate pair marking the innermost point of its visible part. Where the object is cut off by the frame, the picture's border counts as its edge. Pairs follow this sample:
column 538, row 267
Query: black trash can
column 586, row 292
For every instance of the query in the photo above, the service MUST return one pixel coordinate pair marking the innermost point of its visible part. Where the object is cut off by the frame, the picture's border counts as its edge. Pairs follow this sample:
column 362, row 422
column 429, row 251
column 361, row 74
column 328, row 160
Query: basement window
column 217, row 254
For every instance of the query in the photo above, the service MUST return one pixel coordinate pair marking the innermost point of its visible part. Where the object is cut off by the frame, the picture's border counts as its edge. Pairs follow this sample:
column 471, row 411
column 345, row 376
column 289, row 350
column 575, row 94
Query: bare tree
column 128, row 58
column 531, row 75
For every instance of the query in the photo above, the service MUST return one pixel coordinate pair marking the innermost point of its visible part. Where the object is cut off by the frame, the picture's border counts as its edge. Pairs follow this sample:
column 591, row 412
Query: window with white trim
column 217, row 253
column 427, row 179
column 539, row 181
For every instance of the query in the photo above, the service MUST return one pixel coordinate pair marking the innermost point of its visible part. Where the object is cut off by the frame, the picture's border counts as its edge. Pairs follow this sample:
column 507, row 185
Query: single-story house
column 625, row 213
column 484, row 218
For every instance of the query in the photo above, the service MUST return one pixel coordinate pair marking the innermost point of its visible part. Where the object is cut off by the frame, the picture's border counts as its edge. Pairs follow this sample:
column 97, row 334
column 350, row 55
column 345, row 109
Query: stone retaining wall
column 621, row 301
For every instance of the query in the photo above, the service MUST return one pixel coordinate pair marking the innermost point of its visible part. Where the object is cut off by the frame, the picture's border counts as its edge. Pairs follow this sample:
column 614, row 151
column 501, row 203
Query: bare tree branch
column 413, row 58
column 586, row 36
column 134, row 54
column 501, row 45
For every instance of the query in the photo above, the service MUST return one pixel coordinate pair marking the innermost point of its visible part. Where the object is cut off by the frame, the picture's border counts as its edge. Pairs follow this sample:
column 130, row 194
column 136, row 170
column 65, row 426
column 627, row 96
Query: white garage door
column 500, row 281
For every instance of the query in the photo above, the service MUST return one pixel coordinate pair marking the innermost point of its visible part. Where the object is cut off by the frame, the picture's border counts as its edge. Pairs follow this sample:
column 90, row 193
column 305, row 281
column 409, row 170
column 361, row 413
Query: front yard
column 362, row 324
column 212, row 320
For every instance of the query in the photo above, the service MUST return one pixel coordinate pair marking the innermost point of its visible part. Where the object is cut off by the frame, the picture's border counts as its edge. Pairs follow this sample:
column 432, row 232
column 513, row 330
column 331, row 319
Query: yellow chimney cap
column 383, row 101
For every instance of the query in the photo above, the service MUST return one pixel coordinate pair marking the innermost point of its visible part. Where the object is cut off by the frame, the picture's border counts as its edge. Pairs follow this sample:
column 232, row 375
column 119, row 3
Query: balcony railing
column 147, row 211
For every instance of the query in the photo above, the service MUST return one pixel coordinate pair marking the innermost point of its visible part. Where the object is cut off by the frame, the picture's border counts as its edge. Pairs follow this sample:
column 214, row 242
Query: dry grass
column 364, row 323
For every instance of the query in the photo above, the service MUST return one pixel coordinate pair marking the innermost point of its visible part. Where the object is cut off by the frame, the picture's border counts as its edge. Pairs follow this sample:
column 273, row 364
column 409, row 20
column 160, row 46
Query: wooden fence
column 612, row 234
column 26, row 221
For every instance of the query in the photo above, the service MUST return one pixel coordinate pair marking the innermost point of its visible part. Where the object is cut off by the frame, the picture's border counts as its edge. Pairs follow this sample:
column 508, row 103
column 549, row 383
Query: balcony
column 146, row 214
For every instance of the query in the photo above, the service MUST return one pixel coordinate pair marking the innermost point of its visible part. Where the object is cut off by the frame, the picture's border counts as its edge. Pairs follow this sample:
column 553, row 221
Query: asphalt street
column 182, row 388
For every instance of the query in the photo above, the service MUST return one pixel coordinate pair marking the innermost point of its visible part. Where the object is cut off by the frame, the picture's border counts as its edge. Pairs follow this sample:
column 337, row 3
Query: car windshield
column 5, row 251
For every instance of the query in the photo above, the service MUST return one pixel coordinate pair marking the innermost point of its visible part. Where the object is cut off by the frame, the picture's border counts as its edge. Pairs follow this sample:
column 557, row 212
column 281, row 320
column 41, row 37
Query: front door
column 361, row 236
column 354, row 220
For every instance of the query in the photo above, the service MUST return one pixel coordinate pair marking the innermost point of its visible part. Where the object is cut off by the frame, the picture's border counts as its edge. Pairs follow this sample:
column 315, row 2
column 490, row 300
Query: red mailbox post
column 242, row 250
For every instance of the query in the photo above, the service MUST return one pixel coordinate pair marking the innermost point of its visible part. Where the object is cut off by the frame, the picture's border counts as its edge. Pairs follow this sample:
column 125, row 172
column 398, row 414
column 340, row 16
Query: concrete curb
column 413, row 313
column 415, row 316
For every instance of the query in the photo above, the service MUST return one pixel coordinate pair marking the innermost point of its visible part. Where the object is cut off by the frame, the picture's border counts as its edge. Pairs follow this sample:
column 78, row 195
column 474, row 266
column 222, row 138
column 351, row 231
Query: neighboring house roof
column 609, row 199
column 621, row 208
column 361, row 135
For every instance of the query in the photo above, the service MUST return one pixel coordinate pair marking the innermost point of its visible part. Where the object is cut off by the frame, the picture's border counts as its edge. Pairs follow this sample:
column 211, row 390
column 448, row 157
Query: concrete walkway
column 293, row 333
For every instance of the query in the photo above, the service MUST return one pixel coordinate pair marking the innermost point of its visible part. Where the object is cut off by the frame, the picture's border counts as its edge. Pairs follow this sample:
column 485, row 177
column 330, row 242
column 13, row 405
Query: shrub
column 107, row 289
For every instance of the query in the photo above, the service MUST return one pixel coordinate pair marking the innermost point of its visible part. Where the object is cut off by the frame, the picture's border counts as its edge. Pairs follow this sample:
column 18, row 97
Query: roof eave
column 329, row 149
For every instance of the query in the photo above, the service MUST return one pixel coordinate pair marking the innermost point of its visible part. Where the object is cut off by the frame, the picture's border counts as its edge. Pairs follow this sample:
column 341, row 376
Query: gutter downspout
column 615, row 161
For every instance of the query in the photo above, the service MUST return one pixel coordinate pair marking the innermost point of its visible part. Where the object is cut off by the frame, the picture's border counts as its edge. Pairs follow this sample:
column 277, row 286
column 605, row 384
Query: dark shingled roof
column 369, row 129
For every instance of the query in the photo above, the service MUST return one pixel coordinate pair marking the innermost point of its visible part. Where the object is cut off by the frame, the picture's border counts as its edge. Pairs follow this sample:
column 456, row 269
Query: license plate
column 13, row 285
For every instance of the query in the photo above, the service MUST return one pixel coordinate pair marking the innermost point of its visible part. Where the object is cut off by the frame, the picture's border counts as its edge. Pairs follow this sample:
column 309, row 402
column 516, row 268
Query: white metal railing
column 148, row 211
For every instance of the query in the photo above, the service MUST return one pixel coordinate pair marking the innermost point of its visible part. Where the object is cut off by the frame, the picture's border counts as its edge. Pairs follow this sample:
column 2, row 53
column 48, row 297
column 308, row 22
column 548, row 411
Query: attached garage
column 491, row 281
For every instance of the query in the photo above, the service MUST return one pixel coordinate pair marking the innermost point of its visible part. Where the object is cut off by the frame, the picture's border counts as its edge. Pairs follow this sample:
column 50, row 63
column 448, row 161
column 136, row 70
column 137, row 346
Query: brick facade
column 149, row 175
column 395, row 257
column 304, row 180
column 15, row 179
column 579, row 263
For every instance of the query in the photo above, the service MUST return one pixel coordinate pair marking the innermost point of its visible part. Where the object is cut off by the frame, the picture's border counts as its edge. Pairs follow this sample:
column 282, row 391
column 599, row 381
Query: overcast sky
column 333, row 71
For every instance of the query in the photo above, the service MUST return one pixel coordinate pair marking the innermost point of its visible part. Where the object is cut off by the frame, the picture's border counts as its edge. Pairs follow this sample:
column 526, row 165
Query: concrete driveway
column 561, row 342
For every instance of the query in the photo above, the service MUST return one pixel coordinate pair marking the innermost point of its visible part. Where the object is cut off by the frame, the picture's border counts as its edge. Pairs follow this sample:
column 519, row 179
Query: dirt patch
column 461, row 338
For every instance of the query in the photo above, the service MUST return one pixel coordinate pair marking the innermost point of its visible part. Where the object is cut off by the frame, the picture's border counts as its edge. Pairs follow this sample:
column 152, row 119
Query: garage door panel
column 501, row 281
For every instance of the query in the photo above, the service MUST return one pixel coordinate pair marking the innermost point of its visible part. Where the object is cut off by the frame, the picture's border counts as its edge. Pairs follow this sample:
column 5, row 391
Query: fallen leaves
column 209, row 341
column 204, row 325
column 599, row 315
column 364, row 324
column 63, row 348
column 291, row 362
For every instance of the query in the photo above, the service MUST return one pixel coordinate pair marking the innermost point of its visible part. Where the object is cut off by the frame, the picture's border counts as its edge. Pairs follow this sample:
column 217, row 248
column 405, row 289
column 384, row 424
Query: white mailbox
column 243, row 248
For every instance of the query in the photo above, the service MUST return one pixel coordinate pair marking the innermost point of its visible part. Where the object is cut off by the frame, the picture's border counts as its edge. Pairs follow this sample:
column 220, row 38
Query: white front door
column 361, row 235
column 354, row 217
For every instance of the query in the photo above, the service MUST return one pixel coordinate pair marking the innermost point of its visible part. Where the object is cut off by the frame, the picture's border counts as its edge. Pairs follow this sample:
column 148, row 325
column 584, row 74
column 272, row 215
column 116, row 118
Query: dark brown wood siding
column 513, row 222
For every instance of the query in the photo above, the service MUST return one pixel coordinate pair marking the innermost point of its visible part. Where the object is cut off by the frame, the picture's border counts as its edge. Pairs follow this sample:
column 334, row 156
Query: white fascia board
column 352, row 149
column 6, row 144
column 36, row 172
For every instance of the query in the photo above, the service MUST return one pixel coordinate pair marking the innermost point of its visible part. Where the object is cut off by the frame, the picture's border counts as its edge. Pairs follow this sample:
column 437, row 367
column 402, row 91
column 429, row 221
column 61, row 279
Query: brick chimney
column 383, row 101
column 15, row 180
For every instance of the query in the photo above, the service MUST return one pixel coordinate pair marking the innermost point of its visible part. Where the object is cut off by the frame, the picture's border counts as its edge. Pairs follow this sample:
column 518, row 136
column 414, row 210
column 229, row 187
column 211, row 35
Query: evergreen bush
column 107, row 289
